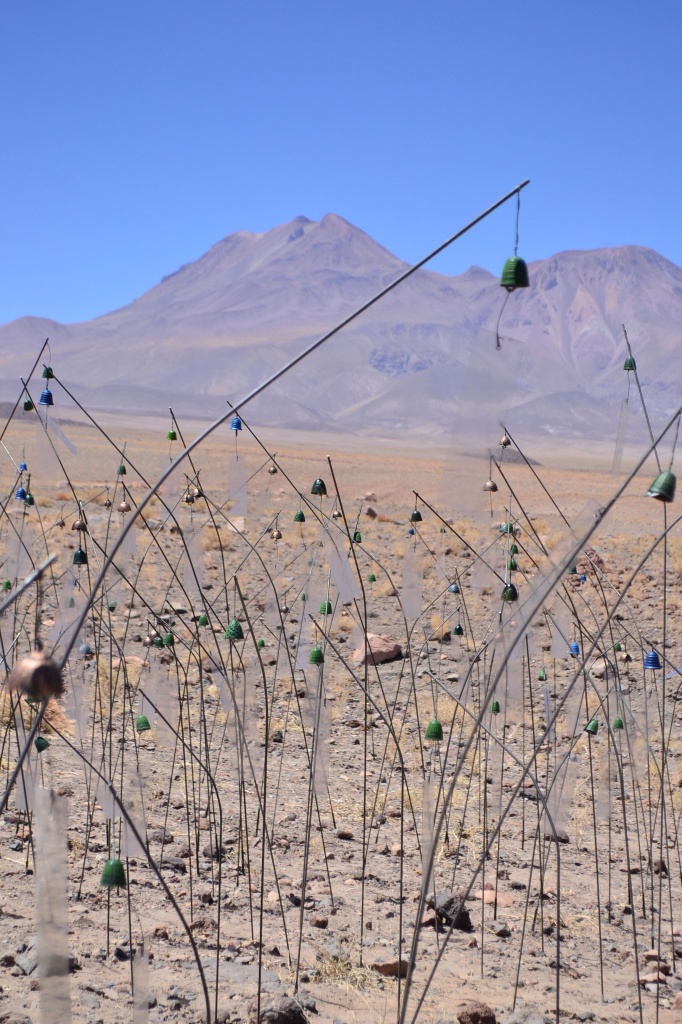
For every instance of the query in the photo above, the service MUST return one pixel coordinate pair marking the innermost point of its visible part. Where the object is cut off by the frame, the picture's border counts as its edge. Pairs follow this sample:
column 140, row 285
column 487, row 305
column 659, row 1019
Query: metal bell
column 495, row 707
column 326, row 608
column 416, row 516
column 574, row 649
column 41, row 744
column 453, row 588
column 371, row 578
column 6, row 584
column 236, row 424
column 122, row 469
column 490, row 485
column 316, row 656
column 21, row 494
column 592, row 727
column 80, row 557
column 275, row 535
column 458, row 630
column 507, row 528
column 273, row 470
column 336, row 514
column 142, row 724
column 505, row 441
column 171, row 435
column 168, row 640
column 203, row 619
column 319, row 487
column 47, row 373
column 299, row 517
column 113, row 874
column 28, row 405
column 124, row 507
column 357, row 537
column 410, row 532
column 663, row 487
column 29, row 499
column 511, row 565
column 46, row 397
column 514, row 274
column 510, row 593
column 80, row 525
column 22, row 467
column 652, row 661
column 260, row 643
column 618, row 724
column 629, row 364
column 542, row 676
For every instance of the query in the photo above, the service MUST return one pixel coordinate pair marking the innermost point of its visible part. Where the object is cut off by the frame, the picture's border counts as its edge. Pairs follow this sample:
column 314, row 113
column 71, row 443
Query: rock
column 390, row 968
column 320, row 922
column 677, row 1001
column 344, row 833
column 277, row 736
column 174, row 864
column 653, row 978
column 584, row 1015
column 14, row 1018
column 247, row 974
column 476, row 1013
column 124, row 952
column 561, row 836
column 451, row 910
column 396, row 850
column 501, row 929
column 377, row 650
column 277, row 1011
column 371, row 512
column 160, row 835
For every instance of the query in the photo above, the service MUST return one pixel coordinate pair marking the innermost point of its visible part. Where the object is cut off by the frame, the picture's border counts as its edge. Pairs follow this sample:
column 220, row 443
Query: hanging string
column 498, row 346
column 672, row 454
column 518, row 211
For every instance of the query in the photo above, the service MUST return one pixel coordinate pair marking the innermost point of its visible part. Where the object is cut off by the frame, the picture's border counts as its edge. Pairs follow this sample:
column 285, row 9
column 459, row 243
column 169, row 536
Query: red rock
column 377, row 650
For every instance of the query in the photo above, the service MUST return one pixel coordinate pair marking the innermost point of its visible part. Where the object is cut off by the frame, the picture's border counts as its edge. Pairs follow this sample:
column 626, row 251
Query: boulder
column 377, row 650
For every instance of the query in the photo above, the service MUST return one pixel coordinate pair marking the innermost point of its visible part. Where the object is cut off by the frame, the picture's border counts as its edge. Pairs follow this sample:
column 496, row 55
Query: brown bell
column 336, row 514
column 490, row 485
column 272, row 470
column 107, row 504
column 79, row 525
column 124, row 507
column 189, row 498
column 275, row 535
column 195, row 492
column 37, row 676
column 147, row 642
column 505, row 440
column 61, row 524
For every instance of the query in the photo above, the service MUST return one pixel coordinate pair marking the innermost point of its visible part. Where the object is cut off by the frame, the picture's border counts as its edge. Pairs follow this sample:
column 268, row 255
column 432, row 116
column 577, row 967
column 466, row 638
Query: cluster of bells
column 319, row 490
column 46, row 396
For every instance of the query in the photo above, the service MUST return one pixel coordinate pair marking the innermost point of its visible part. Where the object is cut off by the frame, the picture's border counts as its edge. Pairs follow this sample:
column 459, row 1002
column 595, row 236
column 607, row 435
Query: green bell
column 113, row 874
column 371, row 578
column 158, row 641
column 542, row 676
column 326, row 608
column 260, row 643
column 663, row 487
column 299, row 517
column 618, row 647
column 171, row 435
column 416, row 516
column 507, row 528
column 592, row 727
column 510, row 593
column 513, row 550
column 514, row 274
column 629, row 364
column 28, row 405
column 433, row 733
column 316, row 656
column 168, row 640
column 47, row 373
column 304, row 597
column 111, row 606
column 122, row 470
column 458, row 630
column 142, row 724
column 495, row 707
column 618, row 723
column 203, row 619
column 29, row 499
column 319, row 487
column 80, row 557
column 41, row 744
column 6, row 584
column 511, row 565
column 572, row 570
column 357, row 537
column 234, row 630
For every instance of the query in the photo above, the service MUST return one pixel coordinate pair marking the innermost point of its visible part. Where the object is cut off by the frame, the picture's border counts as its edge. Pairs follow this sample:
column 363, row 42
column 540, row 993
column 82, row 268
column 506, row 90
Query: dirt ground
column 334, row 757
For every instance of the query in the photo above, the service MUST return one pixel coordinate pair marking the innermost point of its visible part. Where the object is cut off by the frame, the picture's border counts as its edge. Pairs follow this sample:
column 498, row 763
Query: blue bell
column 21, row 494
column 22, row 467
column 46, row 397
column 453, row 588
column 410, row 532
column 236, row 424
column 652, row 661
column 583, row 578
column 574, row 649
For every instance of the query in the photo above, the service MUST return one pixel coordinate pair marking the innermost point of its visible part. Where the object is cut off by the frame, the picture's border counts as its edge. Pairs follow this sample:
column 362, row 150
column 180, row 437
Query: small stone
column 277, row 1011
column 344, row 833
column 390, row 968
column 320, row 922
column 476, row 1013
column 396, row 850
column 501, row 929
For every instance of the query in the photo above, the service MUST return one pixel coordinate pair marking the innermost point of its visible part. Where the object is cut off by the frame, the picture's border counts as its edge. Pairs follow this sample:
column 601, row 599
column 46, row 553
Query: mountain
column 218, row 326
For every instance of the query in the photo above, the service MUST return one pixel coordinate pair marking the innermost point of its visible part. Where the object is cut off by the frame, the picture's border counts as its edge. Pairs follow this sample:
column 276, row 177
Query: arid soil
column 335, row 757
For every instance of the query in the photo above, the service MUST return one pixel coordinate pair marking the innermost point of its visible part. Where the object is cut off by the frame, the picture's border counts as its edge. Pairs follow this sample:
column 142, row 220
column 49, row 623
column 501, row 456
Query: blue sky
column 137, row 134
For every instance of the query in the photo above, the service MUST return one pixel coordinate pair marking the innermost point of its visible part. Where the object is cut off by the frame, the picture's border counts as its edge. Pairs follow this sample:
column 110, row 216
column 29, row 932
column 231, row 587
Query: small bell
column 272, row 470
column 168, row 640
column 371, row 578
column 113, row 874
column 299, row 517
column 234, row 630
column 629, row 365
column 122, row 469
column 505, row 441
column 142, row 724
column 357, row 537
column 80, row 557
column 171, row 435
column 203, row 619
column 416, row 516
column 316, row 656
column 592, row 727
column 6, row 584
column 453, row 588
column 29, row 499
column 124, row 507
column 490, row 485
column 261, row 643
column 158, row 641
column 510, row 593
column 21, row 494
column 47, row 373
column 511, row 565
column 663, row 487
column 618, row 724
column 542, row 676
column 80, row 525
column 46, row 397
column 514, row 274
column 458, row 630
column 495, row 707
column 336, row 514
column 28, row 405
column 326, row 608
column 236, row 424
column 433, row 734
column 188, row 498
column 652, row 661
column 275, row 535
column 319, row 488
column 41, row 744
column 574, row 649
